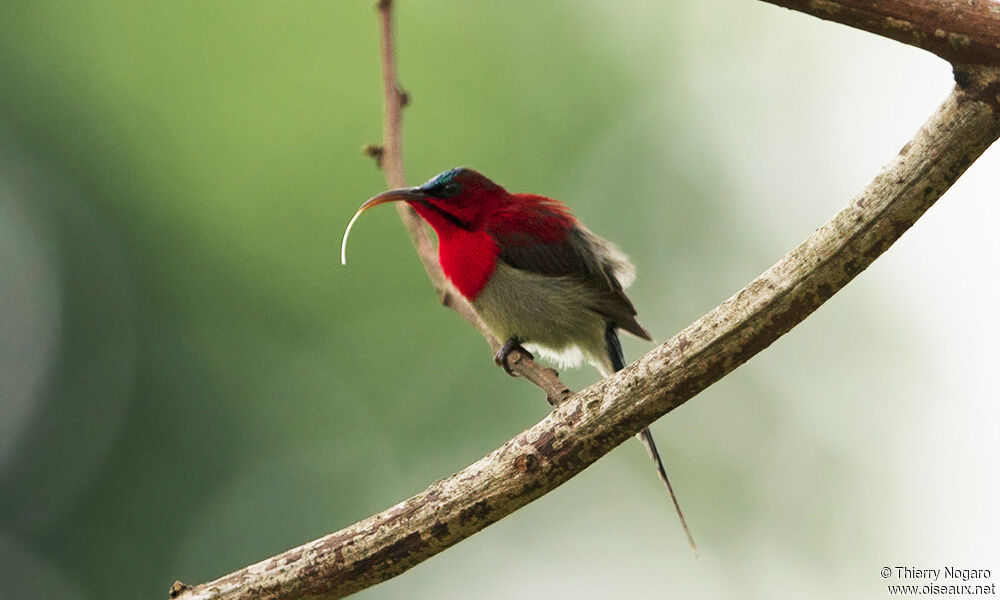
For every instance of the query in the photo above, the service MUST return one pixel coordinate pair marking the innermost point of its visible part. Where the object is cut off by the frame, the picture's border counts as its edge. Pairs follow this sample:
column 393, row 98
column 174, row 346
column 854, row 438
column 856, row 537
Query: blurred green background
column 189, row 381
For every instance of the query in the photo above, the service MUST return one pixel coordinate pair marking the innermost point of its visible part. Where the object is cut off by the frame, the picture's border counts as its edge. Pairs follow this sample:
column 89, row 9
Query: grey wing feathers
column 596, row 262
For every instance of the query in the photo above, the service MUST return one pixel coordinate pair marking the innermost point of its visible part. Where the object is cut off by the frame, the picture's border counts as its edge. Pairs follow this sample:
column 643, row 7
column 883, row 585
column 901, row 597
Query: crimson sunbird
column 535, row 275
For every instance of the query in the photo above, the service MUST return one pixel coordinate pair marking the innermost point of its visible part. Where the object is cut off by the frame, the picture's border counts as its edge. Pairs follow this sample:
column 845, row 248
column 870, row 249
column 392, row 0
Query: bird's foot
column 504, row 352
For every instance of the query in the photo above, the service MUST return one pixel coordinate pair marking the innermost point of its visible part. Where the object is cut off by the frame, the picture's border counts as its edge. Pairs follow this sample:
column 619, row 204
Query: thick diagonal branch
column 594, row 421
column 959, row 31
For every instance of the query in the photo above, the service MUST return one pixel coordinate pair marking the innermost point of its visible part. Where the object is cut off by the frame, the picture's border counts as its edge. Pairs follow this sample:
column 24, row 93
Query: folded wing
column 545, row 239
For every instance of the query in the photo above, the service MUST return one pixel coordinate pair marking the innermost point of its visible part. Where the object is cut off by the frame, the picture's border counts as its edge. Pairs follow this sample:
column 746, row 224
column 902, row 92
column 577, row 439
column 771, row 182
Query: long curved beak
column 397, row 195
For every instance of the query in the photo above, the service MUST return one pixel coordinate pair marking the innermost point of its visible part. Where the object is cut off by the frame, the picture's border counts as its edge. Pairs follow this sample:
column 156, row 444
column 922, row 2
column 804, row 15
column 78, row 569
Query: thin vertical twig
column 390, row 159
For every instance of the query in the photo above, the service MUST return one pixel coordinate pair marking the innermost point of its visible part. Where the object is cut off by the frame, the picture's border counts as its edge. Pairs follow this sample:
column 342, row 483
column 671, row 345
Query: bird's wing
column 548, row 241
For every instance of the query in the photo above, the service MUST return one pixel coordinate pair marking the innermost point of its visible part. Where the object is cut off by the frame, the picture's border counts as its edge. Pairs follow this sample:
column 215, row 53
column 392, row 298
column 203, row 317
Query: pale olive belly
column 550, row 314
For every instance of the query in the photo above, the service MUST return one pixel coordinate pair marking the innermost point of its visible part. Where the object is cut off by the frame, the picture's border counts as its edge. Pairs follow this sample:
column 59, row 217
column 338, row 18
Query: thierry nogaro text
column 947, row 573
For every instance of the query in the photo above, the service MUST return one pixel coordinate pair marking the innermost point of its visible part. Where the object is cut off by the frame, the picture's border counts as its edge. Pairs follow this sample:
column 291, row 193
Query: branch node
column 519, row 363
column 557, row 399
column 177, row 588
column 979, row 83
column 444, row 296
column 404, row 97
column 376, row 152
column 962, row 75
column 383, row 5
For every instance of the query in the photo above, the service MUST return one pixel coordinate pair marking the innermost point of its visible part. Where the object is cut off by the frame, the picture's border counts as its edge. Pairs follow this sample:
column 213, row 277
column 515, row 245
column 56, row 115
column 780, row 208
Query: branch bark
column 594, row 421
column 959, row 31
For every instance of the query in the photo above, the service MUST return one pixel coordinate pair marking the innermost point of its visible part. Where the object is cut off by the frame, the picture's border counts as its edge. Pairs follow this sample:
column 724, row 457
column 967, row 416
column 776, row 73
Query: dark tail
column 618, row 363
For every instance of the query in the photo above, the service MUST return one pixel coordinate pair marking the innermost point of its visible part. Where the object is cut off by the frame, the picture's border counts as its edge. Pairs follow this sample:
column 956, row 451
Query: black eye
column 450, row 189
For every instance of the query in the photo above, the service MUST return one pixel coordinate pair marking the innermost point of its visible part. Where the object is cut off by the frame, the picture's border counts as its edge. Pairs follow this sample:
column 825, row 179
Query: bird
column 538, row 278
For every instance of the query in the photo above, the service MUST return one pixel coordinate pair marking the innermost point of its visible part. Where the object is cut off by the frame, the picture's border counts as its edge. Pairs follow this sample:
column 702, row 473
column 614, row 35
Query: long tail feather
column 647, row 439
column 617, row 358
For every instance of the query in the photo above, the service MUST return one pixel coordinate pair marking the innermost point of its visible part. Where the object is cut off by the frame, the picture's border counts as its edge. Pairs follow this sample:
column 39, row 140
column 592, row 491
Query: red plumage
column 473, row 232
column 468, row 259
column 528, row 219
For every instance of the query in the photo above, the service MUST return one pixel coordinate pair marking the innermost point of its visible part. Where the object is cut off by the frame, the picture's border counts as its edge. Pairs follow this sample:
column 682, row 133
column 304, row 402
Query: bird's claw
column 503, row 353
